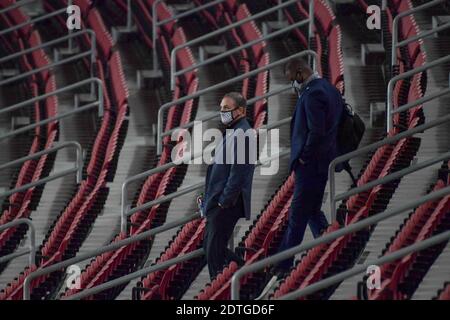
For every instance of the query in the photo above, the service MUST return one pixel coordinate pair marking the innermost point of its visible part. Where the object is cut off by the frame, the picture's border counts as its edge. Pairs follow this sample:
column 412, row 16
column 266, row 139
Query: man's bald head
column 297, row 69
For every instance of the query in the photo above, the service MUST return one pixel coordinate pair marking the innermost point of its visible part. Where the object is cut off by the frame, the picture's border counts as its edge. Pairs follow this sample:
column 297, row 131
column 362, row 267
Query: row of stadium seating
column 402, row 279
column 114, row 264
column 20, row 205
column 66, row 234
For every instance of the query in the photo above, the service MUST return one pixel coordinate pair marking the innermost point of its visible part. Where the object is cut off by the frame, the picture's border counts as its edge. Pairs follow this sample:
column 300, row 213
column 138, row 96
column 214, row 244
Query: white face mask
column 226, row 117
column 297, row 87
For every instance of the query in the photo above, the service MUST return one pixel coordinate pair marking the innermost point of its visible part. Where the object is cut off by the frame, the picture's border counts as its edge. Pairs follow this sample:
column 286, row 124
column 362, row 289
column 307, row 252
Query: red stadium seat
column 104, row 39
column 251, row 32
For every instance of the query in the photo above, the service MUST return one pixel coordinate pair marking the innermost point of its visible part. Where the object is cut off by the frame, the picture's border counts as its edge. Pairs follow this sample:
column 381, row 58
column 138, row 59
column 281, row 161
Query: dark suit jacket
column 228, row 183
column 314, row 125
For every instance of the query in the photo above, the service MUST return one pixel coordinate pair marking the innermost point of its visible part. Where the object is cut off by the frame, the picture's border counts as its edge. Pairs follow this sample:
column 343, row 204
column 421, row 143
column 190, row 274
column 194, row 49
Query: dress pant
column 220, row 224
column 305, row 209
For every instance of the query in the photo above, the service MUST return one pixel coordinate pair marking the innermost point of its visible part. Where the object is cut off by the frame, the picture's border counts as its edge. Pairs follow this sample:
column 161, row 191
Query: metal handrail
column 98, row 104
column 70, row 44
column 213, row 115
column 392, row 177
column 432, row 241
column 389, row 140
column 49, row 120
column 78, row 169
column 58, row 63
column 374, row 146
column 157, row 24
column 19, row 253
column 396, row 44
column 162, row 266
column 31, row 21
column 70, row 87
column 16, row 5
column 173, row 64
column 111, row 247
column 405, row 75
column 220, row 85
column 53, row 42
column 364, row 223
column 129, row 15
column 275, row 34
column 422, row 100
column 140, row 273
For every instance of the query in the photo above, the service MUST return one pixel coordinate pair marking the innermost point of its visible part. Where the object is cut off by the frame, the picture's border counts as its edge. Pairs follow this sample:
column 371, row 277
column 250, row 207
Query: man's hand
column 200, row 205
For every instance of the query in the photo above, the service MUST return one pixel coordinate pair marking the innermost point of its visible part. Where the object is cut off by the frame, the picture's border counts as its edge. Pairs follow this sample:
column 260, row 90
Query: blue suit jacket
column 228, row 183
column 314, row 125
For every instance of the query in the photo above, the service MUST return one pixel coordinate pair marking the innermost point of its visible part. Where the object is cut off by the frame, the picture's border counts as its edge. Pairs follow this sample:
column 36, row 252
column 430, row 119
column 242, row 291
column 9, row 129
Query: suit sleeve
column 316, row 119
column 239, row 174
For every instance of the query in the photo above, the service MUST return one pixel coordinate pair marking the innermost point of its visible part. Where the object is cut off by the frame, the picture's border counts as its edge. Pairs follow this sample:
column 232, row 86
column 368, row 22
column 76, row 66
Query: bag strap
column 348, row 168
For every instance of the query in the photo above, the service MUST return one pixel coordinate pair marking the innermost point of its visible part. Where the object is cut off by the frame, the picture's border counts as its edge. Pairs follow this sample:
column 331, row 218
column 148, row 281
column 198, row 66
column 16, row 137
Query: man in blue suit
column 313, row 146
column 228, row 183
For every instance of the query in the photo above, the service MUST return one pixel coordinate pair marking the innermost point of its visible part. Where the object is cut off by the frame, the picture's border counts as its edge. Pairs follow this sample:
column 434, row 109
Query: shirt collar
column 312, row 77
column 235, row 124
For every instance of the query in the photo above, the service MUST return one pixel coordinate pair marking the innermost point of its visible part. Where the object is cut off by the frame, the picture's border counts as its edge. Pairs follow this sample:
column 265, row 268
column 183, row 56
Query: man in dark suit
column 314, row 129
column 228, row 183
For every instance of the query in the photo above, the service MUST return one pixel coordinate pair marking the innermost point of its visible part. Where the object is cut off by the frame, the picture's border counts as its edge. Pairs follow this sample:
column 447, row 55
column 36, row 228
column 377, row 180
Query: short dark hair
column 238, row 99
column 295, row 64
